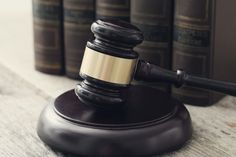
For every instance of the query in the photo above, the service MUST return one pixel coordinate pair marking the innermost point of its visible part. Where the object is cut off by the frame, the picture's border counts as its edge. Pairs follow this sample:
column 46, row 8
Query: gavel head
column 109, row 63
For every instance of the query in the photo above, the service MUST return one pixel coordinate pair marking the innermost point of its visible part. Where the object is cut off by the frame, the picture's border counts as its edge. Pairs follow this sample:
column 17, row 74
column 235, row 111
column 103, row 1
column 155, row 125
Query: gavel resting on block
column 107, row 116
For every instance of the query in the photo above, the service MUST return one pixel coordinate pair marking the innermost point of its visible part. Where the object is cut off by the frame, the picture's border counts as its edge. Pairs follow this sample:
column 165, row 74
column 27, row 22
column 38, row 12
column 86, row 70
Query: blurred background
column 17, row 47
column 41, row 37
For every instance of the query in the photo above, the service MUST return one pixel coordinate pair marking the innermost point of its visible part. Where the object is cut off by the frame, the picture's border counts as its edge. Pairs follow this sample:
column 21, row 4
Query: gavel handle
column 152, row 73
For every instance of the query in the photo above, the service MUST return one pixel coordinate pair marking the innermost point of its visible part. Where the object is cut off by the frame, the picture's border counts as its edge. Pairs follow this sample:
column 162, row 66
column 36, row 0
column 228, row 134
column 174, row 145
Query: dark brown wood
column 71, row 126
column 115, row 38
column 109, row 119
column 152, row 73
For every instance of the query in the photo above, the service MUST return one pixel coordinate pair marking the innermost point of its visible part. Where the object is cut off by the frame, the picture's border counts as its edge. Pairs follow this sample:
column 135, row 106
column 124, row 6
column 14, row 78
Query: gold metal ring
column 107, row 68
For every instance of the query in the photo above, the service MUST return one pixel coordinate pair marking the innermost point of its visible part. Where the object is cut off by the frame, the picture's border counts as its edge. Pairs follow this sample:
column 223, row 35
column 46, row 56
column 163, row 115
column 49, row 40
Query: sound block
column 149, row 123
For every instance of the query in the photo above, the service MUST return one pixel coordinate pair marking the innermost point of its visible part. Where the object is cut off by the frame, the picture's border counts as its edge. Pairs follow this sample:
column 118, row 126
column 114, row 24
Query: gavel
column 109, row 65
column 107, row 116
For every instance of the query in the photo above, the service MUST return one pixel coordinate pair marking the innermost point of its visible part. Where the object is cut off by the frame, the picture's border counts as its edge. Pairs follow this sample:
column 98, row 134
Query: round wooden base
column 149, row 123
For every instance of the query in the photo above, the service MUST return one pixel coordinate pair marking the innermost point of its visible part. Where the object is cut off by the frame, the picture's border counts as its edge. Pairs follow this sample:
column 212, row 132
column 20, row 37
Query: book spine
column 48, row 45
column 119, row 9
column 154, row 19
column 78, row 17
column 192, row 46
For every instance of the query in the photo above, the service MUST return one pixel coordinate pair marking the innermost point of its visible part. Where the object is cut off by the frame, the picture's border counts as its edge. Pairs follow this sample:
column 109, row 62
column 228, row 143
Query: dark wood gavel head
column 109, row 63
column 145, row 116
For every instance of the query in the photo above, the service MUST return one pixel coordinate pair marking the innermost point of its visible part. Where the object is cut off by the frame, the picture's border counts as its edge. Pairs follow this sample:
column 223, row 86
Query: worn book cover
column 78, row 17
column 119, row 9
column 203, row 45
column 48, row 36
column 154, row 19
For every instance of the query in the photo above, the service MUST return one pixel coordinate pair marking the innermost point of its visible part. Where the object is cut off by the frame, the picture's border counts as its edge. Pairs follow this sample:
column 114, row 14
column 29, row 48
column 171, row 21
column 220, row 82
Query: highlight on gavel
column 110, row 62
column 107, row 116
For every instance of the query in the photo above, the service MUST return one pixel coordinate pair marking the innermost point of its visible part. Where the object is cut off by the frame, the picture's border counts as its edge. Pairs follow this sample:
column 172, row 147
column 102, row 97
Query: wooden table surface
column 24, row 92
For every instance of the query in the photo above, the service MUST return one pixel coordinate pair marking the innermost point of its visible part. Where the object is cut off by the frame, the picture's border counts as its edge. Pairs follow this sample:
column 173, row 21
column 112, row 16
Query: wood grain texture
column 214, row 130
column 21, row 103
column 24, row 92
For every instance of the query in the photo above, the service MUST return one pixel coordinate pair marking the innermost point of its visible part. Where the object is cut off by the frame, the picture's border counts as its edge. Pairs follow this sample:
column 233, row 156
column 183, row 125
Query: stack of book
column 62, row 29
column 180, row 34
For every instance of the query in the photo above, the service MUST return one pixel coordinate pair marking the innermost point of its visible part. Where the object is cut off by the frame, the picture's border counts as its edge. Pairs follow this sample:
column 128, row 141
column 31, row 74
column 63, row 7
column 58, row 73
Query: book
column 119, row 9
column 192, row 46
column 224, row 41
column 203, row 46
column 48, row 36
column 78, row 17
column 154, row 19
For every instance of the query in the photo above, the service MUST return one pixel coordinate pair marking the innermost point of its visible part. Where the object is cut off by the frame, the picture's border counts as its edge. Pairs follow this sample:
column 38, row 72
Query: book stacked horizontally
column 193, row 35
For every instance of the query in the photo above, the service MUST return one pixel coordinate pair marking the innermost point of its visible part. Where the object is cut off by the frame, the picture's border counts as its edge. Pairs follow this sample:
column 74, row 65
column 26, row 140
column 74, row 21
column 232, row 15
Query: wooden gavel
column 110, row 64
